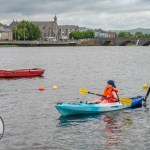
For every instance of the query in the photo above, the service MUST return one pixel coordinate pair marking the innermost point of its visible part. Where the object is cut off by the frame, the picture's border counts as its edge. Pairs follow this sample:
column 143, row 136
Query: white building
column 65, row 30
column 99, row 33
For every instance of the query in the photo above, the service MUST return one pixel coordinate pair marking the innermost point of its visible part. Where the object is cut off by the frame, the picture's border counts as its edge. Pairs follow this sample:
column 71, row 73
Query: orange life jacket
column 108, row 91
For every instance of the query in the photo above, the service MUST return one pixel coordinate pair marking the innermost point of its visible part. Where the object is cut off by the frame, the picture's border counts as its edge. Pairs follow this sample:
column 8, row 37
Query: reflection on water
column 112, row 124
column 108, row 117
column 127, row 121
column 66, row 121
column 21, row 78
column 111, row 131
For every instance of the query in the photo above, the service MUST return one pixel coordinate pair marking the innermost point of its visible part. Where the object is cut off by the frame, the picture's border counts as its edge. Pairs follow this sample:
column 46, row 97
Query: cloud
column 105, row 14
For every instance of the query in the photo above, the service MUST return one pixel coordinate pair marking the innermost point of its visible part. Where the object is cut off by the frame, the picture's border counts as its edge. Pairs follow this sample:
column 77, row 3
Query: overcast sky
column 104, row 14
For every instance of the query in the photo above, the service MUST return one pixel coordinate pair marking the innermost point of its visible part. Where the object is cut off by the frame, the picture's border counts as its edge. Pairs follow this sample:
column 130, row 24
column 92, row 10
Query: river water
column 33, row 123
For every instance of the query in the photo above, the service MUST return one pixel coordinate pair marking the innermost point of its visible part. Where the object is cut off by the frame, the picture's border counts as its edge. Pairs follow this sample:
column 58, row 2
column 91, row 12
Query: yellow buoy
column 145, row 86
column 41, row 88
column 54, row 87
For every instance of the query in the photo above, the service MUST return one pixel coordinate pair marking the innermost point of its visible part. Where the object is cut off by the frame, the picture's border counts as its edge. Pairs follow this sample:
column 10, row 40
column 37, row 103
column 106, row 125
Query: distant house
column 5, row 33
column 99, row 33
column 112, row 34
column 49, row 29
column 65, row 30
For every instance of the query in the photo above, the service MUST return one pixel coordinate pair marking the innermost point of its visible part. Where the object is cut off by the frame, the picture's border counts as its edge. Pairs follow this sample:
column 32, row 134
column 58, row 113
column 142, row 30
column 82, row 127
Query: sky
column 104, row 14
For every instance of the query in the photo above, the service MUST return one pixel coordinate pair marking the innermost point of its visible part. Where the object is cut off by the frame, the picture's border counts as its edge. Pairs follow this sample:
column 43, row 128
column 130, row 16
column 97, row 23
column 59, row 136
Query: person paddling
column 110, row 94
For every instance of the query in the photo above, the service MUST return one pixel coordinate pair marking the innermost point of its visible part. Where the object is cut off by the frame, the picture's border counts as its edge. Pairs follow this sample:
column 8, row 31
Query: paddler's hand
column 108, row 96
column 96, row 94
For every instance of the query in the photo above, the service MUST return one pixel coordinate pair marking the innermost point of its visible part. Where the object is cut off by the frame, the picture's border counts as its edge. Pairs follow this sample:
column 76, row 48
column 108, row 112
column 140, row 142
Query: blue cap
column 111, row 82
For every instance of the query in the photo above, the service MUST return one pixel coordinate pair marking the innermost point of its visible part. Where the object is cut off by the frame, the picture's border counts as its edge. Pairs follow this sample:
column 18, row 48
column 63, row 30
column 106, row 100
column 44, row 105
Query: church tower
column 55, row 19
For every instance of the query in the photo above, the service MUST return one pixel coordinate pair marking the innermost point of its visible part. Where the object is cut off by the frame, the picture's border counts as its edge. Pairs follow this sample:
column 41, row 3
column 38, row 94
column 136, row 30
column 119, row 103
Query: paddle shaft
column 95, row 94
column 147, row 94
column 103, row 96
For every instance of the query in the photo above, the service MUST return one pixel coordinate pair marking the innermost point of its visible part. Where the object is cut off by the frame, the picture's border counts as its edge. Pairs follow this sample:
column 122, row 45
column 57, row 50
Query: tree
column 81, row 34
column 146, row 35
column 121, row 34
column 125, row 34
column 89, row 34
column 26, row 31
column 138, row 35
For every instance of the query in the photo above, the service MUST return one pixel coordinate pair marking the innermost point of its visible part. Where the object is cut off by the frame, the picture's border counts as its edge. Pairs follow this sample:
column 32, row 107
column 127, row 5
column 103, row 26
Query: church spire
column 55, row 19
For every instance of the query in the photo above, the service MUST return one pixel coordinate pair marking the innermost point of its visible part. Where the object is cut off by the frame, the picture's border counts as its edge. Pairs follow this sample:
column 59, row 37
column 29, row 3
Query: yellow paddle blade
column 83, row 91
column 125, row 101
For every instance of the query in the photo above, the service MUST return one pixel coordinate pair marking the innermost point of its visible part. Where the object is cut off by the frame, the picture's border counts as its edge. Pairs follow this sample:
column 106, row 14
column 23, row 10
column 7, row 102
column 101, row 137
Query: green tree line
column 26, row 31
column 136, row 35
column 81, row 34
column 90, row 34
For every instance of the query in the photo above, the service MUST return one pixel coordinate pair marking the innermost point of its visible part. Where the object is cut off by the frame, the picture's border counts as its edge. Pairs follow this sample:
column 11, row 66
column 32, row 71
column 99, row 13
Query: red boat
column 9, row 73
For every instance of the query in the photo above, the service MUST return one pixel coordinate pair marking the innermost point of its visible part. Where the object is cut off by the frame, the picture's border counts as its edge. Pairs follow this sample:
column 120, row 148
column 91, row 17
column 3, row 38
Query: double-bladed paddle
column 125, row 101
column 147, row 94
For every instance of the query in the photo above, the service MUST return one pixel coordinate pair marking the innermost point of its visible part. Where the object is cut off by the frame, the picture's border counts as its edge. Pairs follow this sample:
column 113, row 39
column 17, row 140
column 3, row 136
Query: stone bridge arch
column 125, row 41
column 122, row 41
column 144, row 41
column 105, row 41
column 146, row 44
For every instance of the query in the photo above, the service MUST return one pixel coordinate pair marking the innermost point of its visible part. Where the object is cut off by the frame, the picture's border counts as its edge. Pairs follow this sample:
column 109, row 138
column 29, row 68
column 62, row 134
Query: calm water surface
column 31, row 120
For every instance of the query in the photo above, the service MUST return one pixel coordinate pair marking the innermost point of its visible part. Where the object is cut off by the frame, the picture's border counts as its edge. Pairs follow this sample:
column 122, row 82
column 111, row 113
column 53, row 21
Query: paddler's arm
column 115, row 96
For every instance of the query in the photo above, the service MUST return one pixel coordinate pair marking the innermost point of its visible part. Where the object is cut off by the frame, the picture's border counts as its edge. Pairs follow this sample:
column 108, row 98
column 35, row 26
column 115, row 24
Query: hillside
column 132, row 31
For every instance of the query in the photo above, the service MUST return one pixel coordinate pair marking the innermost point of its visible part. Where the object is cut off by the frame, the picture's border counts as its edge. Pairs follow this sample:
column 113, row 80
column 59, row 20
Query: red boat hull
column 21, row 73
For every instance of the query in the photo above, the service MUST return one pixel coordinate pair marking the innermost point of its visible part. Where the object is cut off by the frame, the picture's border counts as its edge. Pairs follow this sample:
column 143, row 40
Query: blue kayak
column 76, row 108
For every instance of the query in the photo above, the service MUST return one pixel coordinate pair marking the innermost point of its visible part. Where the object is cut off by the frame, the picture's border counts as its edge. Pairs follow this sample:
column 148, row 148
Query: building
column 99, row 33
column 49, row 29
column 65, row 30
column 5, row 33
column 112, row 34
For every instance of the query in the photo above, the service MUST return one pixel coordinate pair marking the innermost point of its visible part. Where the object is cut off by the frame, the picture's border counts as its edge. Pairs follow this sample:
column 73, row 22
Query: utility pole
column 15, row 33
column 24, row 33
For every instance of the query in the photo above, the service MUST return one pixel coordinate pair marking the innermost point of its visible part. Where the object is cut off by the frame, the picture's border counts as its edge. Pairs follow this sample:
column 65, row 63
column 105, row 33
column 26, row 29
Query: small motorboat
column 10, row 73
column 80, row 108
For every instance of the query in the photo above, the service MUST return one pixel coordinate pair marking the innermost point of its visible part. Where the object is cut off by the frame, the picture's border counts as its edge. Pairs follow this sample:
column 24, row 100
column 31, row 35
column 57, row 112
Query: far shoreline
column 82, row 42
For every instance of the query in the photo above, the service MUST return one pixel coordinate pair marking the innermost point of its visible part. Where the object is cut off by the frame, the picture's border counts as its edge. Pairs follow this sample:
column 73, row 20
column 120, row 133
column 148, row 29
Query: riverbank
column 38, row 43
column 90, row 42
column 83, row 42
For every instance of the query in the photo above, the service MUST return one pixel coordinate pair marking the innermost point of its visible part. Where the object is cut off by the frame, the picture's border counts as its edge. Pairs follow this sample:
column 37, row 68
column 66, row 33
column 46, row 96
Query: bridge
column 84, row 42
column 122, row 41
